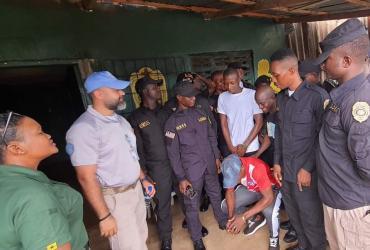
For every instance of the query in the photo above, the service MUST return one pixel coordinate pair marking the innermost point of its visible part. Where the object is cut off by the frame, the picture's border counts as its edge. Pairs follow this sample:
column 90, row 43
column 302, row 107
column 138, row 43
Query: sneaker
column 253, row 226
column 274, row 243
column 290, row 236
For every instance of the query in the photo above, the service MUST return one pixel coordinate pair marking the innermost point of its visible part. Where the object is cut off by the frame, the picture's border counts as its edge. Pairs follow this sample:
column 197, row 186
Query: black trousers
column 306, row 214
column 163, row 178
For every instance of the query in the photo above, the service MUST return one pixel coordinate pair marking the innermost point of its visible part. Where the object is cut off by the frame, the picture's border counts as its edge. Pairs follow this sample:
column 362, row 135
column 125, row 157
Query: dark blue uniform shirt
column 344, row 155
column 191, row 144
column 297, row 129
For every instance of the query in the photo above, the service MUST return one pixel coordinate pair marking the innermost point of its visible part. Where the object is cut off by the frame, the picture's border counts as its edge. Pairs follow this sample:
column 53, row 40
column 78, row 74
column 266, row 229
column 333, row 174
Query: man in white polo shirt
column 102, row 147
column 241, row 118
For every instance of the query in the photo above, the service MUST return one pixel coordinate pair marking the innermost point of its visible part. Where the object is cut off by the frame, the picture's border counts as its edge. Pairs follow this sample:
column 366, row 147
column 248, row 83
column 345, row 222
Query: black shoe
column 198, row 245
column 285, row 225
column 205, row 204
column 166, row 245
column 295, row 247
column 204, row 230
column 254, row 225
column 290, row 236
column 222, row 227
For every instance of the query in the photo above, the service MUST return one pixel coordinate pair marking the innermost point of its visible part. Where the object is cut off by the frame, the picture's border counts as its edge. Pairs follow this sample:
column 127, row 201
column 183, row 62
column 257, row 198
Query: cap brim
column 321, row 58
column 117, row 84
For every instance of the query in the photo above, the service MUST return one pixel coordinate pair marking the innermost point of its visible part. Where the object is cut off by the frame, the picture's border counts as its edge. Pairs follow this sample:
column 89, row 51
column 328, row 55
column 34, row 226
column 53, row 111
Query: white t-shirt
column 239, row 109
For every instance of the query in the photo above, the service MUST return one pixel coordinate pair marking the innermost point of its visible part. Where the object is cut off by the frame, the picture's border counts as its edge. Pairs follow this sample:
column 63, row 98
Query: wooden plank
column 331, row 16
column 156, row 5
column 359, row 2
column 203, row 10
column 299, row 11
column 240, row 2
column 262, row 5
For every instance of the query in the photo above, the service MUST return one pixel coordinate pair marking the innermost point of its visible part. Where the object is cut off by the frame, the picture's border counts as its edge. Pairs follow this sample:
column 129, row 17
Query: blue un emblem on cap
column 70, row 149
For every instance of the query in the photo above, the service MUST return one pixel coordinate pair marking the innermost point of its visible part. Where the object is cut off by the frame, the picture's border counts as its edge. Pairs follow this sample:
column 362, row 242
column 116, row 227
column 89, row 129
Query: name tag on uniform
column 202, row 119
column 181, row 126
column 144, row 124
column 170, row 134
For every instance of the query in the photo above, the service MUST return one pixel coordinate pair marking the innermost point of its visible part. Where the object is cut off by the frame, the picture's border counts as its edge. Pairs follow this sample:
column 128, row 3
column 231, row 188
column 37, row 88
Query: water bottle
column 148, row 200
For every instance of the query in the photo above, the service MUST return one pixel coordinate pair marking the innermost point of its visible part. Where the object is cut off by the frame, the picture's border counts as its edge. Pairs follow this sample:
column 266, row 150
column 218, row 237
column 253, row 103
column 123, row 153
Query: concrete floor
column 216, row 239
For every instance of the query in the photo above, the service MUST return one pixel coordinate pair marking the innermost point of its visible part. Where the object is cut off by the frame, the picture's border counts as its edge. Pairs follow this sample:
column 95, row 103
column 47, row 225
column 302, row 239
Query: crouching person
column 257, row 187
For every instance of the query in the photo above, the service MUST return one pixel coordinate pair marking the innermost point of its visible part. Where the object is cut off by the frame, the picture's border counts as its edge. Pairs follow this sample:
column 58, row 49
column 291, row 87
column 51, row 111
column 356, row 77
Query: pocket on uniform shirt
column 332, row 119
column 302, row 124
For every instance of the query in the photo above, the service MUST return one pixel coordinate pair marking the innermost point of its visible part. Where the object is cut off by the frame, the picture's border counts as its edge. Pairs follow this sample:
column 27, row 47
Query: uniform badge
column 144, row 124
column 181, row 126
column 326, row 103
column 70, row 149
column 52, row 246
column 170, row 134
column 202, row 119
column 360, row 111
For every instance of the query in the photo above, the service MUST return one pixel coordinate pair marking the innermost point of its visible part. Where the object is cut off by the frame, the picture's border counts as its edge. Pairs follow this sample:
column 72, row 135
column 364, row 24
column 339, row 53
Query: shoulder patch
column 181, row 126
column 170, row 134
column 360, row 111
column 144, row 124
column 52, row 246
column 70, row 149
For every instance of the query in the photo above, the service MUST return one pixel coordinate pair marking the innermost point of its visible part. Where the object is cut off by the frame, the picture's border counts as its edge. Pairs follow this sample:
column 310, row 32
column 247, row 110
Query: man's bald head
column 265, row 98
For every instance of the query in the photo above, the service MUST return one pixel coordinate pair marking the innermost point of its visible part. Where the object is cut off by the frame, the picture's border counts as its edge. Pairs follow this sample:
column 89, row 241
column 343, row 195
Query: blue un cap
column 102, row 79
column 230, row 168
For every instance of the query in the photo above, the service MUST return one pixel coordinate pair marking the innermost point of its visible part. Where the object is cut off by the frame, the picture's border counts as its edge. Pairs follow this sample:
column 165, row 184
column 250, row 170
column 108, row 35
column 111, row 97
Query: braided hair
column 10, row 133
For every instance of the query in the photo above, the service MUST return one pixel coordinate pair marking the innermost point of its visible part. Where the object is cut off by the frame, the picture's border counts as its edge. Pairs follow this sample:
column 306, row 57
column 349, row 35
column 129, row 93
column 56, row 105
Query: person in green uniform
column 35, row 212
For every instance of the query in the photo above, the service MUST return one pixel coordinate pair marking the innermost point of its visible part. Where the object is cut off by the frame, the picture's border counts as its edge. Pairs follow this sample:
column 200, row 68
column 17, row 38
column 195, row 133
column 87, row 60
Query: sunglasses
column 10, row 115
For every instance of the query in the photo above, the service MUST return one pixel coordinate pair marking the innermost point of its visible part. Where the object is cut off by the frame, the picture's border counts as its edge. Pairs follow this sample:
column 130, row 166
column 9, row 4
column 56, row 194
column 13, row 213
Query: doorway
column 51, row 96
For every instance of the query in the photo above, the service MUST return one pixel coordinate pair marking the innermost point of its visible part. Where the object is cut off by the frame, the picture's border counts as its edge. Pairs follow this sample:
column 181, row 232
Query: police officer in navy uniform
column 194, row 156
column 148, row 123
column 344, row 140
column 299, row 121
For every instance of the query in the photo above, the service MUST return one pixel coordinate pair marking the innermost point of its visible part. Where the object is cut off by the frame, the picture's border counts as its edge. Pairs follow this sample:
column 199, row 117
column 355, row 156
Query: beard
column 114, row 105
column 121, row 106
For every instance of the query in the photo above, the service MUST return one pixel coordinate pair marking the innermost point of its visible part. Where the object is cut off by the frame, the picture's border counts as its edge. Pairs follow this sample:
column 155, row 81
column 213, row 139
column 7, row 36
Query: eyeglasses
column 11, row 113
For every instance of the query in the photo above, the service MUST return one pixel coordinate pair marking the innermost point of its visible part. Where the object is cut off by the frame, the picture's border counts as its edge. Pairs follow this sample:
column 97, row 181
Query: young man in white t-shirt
column 241, row 118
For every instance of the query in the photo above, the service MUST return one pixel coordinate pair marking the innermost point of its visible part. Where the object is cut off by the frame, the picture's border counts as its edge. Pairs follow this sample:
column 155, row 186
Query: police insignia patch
column 52, row 246
column 202, row 119
column 360, row 111
column 144, row 124
column 326, row 103
column 70, row 149
column 170, row 135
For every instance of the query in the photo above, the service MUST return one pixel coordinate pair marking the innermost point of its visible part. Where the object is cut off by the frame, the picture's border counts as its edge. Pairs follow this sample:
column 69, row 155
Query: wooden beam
column 359, row 2
column 156, row 5
column 299, row 11
column 331, row 16
column 240, row 2
column 261, row 5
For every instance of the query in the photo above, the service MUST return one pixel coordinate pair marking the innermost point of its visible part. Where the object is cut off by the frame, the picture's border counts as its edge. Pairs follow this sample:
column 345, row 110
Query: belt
column 117, row 190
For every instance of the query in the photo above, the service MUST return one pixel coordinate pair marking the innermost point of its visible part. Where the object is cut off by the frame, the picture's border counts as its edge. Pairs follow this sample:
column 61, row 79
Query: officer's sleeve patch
column 360, row 111
column 170, row 134
column 144, row 124
column 70, row 149
column 52, row 246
